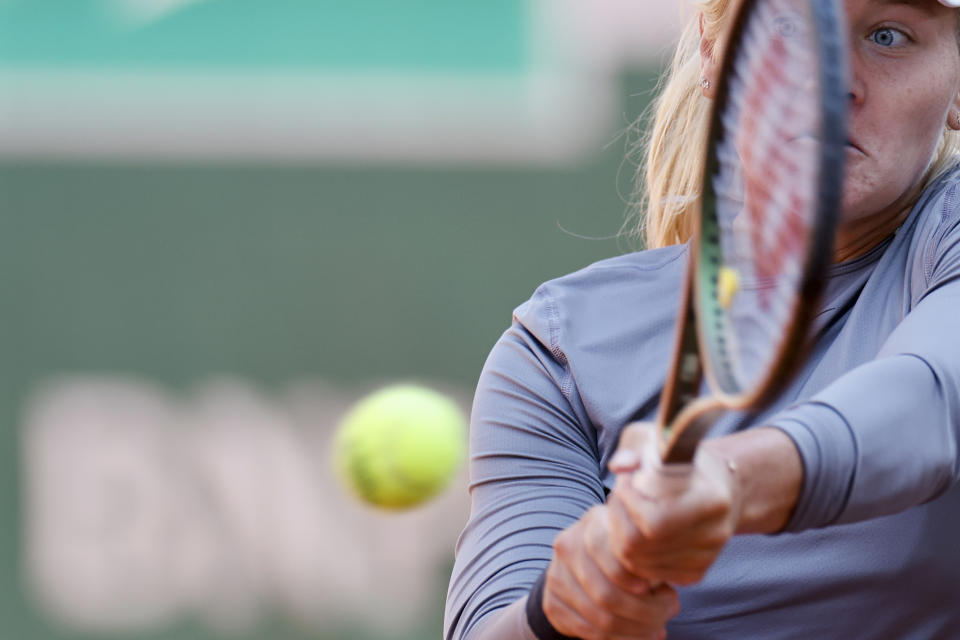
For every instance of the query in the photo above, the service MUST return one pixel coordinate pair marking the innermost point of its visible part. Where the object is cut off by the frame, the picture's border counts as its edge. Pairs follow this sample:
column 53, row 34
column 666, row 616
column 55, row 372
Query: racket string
column 765, row 182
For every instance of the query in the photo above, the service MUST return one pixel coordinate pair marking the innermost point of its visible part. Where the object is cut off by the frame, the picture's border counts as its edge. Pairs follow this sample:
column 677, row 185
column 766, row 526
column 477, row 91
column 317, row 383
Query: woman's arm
column 769, row 471
column 885, row 436
column 509, row 623
column 537, row 502
column 534, row 471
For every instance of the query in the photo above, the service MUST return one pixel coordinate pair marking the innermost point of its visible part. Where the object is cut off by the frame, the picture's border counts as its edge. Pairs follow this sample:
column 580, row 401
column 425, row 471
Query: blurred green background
column 169, row 266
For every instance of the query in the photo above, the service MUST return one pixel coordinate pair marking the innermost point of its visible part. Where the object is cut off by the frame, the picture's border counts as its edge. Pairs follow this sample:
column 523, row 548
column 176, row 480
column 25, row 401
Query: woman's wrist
column 536, row 617
column 769, row 474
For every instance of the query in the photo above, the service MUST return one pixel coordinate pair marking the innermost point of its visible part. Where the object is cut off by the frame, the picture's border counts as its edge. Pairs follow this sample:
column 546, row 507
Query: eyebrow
column 927, row 6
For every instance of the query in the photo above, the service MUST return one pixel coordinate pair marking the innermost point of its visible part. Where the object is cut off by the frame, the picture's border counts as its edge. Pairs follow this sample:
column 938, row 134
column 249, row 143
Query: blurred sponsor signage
column 143, row 508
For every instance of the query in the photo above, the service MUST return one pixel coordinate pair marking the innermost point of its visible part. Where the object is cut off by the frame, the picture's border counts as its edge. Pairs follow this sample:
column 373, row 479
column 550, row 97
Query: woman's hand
column 669, row 523
column 590, row 594
column 663, row 525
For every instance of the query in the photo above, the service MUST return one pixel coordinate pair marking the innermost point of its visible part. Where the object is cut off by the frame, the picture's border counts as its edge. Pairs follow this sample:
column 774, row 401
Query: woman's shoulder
column 628, row 274
column 934, row 243
column 620, row 289
column 610, row 327
column 940, row 202
column 651, row 261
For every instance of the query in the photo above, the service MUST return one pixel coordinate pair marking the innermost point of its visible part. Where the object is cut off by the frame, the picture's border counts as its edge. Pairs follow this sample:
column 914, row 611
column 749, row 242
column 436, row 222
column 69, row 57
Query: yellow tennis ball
column 399, row 446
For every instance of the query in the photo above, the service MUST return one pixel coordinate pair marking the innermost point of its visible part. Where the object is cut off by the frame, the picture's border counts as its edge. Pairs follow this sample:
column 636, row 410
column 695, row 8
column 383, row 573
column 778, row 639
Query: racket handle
column 659, row 479
column 687, row 430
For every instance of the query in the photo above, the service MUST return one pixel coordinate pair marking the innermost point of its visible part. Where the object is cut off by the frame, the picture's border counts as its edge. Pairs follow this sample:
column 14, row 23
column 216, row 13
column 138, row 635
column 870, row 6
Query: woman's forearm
column 770, row 473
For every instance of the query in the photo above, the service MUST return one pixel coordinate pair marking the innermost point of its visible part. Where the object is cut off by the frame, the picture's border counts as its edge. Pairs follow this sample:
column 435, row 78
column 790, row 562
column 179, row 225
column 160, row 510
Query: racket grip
column 655, row 480
column 688, row 429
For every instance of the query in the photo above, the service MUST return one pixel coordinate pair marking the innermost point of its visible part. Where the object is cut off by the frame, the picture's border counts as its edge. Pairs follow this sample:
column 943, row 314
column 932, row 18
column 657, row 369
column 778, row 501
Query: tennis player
column 836, row 513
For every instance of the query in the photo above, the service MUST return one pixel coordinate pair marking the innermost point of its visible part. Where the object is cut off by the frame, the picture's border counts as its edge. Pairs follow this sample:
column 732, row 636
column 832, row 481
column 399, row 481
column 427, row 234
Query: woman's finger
column 599, row 547
column 665, row 540
column 563, row 616
column 635, row 435
column 579, row 581
column 564, row 585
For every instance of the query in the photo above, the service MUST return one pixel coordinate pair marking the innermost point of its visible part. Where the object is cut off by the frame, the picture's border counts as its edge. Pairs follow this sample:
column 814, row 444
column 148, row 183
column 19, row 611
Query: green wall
column 174, row 273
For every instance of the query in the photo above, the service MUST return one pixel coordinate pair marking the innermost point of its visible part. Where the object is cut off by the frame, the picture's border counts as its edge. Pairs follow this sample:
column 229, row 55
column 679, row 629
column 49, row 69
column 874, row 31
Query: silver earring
column 705, row 85
column 956, row 116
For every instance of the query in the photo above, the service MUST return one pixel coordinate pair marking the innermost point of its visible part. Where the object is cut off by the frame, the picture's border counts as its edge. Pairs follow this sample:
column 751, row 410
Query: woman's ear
column 708, row 66
column 953, row 116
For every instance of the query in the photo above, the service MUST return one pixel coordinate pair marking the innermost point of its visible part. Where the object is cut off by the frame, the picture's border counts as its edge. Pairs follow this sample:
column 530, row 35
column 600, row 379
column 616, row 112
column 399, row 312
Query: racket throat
column 684, row 433
column 685, row 376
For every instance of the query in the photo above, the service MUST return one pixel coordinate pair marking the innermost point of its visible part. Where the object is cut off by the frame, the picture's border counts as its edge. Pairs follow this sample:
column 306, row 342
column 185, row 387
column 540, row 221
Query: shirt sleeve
column 534, row 468
column 884, row 436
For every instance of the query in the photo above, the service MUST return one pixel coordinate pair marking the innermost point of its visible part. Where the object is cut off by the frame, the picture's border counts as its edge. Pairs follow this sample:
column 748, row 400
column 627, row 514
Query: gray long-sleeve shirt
column 873, row 547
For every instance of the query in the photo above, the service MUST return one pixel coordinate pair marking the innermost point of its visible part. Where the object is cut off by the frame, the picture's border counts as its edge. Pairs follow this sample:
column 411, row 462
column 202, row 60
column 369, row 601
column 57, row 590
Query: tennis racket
column 769, row 204
column 770, row 201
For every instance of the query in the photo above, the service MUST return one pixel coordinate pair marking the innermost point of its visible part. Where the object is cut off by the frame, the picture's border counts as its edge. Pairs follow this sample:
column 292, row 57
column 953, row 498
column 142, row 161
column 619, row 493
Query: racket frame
column 684, row 417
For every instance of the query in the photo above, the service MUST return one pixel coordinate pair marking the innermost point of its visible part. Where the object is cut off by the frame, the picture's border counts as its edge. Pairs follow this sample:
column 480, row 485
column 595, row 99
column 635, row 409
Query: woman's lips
column 852, row 144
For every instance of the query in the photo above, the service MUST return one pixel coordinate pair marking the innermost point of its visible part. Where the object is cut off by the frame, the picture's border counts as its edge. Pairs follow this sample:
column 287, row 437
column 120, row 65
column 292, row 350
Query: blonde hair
column 668, row 183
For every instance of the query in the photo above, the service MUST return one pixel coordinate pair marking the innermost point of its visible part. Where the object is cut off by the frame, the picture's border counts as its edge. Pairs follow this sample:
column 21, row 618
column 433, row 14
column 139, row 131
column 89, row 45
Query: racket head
column 770, row 200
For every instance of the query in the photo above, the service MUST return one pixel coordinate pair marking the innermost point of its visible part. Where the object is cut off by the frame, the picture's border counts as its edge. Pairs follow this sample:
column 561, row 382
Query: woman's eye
column 888, row 37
